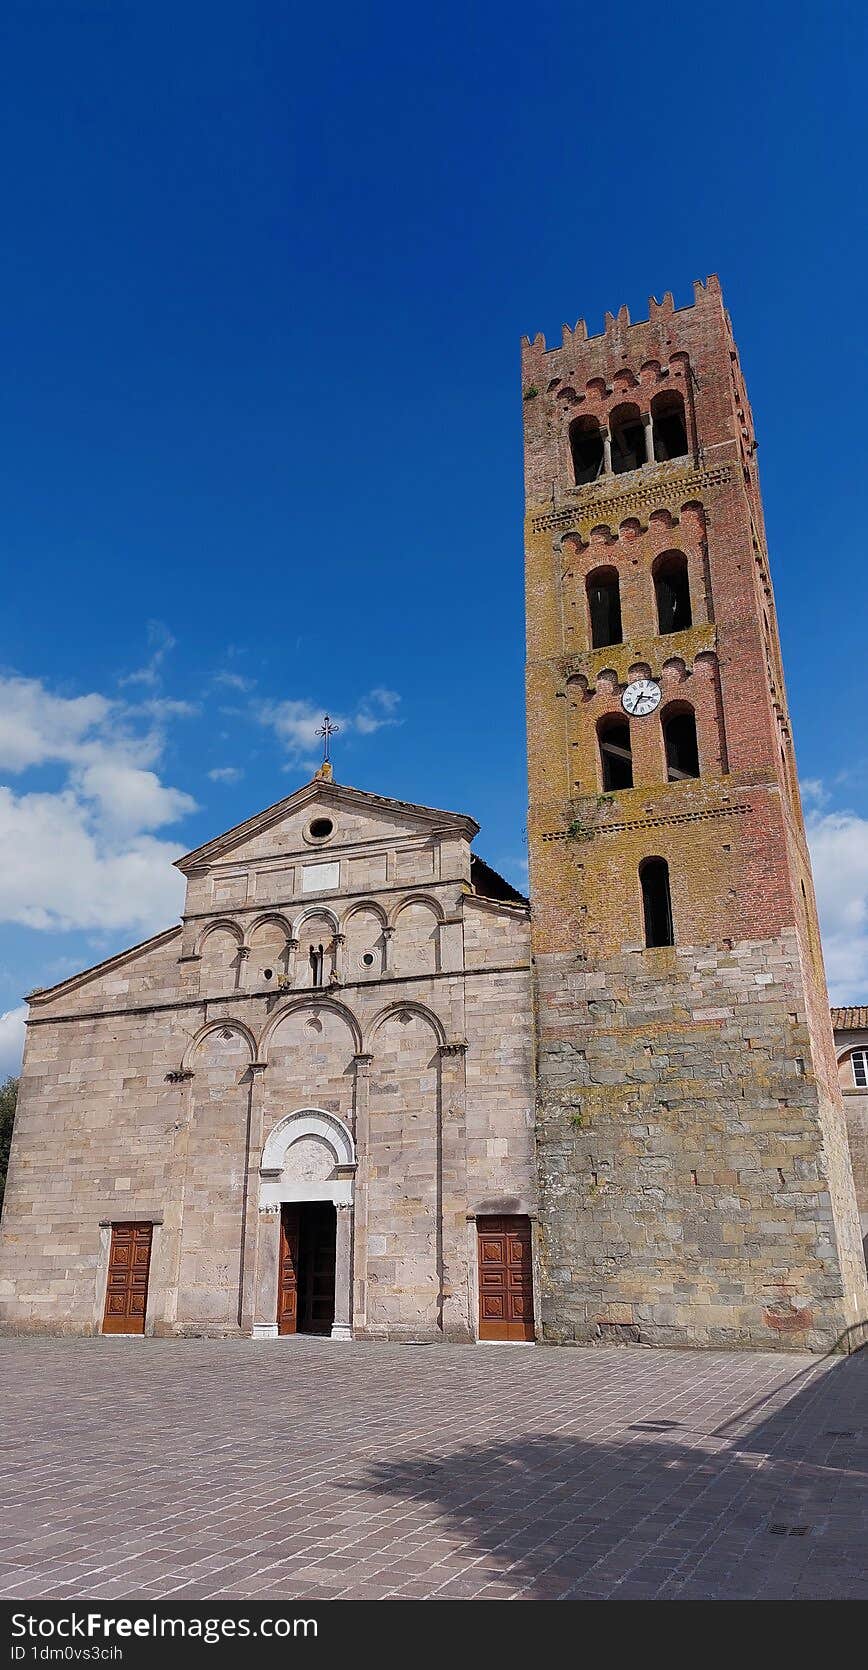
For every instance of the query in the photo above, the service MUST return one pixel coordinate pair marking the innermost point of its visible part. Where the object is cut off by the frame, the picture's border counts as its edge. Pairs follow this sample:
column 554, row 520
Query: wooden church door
column 287, row 1278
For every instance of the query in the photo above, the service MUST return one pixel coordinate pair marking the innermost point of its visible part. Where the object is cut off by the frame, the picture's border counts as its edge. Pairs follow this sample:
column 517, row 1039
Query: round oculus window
column 368, row 959
column 320, row 829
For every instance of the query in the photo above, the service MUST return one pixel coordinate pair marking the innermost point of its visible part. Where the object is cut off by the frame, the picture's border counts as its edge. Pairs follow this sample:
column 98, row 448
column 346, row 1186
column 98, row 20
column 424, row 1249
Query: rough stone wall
column 151, row 1084
column 96, row 1138
column 684, row 1171
column 656, row 1061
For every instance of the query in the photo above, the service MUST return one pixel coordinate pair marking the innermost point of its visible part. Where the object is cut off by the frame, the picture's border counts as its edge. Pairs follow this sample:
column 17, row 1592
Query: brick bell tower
column 695, row 1178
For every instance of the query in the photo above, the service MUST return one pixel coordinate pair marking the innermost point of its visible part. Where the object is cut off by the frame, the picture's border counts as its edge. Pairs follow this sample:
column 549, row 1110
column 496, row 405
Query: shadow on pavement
column 774, row 1505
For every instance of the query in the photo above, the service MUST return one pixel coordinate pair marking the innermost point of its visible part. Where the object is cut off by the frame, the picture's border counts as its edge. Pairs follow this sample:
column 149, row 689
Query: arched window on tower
column 679, row 740
column 672, row 589
column 670, row 428
column 604, row 607
column 616, row 758
column 656, row 902
column 586, row 446
column 628, row 438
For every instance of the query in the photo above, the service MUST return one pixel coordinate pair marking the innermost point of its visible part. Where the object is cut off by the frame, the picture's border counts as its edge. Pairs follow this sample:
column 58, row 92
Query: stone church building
column 310, row 1106
column 363, row 1089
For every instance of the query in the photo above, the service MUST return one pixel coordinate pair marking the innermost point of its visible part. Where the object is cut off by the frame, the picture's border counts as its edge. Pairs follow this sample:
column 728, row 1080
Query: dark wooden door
column 505, row 1278
column 287, row 1277
column 127, row 1286
column 316, row 1268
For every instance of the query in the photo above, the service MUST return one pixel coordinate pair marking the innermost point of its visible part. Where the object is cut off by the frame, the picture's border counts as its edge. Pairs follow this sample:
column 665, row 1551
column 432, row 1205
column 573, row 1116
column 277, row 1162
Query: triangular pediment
column 367, row 817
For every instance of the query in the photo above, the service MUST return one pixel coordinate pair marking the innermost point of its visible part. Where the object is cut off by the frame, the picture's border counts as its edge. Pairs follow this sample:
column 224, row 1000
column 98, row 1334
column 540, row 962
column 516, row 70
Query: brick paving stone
column 312, row 1469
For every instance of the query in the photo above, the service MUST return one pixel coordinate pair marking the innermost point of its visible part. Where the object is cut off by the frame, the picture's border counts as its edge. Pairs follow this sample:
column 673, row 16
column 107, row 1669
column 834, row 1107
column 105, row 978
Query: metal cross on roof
column 326, row 730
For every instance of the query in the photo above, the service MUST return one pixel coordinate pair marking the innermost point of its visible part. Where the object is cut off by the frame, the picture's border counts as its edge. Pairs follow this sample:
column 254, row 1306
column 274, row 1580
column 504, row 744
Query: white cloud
column 839, row 853
column 235, row 681
column 130, row 798
column 226, row 774
column 12, row 1041
column 63, row 869
column 296, row 722
column 36, row 726
column 814, row 792
column 161, row 642
column 83, row 855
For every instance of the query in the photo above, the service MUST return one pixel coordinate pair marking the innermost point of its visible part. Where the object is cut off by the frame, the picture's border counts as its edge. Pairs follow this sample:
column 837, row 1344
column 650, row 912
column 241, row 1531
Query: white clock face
column 641, row 697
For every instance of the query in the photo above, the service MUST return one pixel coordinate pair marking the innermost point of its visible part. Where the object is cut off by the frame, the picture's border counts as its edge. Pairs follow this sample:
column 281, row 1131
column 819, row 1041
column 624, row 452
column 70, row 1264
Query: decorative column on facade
column 173, row 1214
column 243, row 960
column 361, row 1109
column 648, row 420
column 388, row 948
column 342, row 1327
column 338, row 956
column 291, row 948
column 267, row 1263
column 251, row 1227
column 455, row 1322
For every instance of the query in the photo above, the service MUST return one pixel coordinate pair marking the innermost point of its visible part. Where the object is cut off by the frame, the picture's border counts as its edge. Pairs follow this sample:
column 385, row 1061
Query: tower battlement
column 618, row 325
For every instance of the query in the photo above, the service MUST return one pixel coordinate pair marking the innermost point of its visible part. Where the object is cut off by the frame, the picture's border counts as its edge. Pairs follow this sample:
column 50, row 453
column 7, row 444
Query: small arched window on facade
column 670, row 427
column 317, row 965
column 586, row 446
column 616, row 758
column 679, row 740
column 656, row 902
column 672, row 590
column 604, row 607
column 628, row 438
column 859, row 1060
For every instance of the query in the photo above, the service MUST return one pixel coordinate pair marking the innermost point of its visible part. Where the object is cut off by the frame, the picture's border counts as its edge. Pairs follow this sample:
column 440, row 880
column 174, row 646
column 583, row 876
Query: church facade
column 364, row 1090
column 308, row 1107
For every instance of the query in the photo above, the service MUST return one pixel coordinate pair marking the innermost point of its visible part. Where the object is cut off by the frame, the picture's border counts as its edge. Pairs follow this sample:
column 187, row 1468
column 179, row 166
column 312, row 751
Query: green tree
column 8, row 1099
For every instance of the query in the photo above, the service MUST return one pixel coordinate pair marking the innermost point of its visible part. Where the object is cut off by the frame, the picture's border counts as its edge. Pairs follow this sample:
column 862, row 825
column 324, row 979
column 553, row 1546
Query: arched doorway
column 304, row 1262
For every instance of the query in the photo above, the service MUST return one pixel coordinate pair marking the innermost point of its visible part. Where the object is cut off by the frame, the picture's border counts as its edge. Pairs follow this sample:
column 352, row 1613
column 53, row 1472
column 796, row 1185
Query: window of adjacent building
column 604, row 607
column 679, row 740
column 616, row 758
column 656, row 902
column 628, row 438
column 672, row 588
column 670, row 428
column 859, row 1059
column 586, row 446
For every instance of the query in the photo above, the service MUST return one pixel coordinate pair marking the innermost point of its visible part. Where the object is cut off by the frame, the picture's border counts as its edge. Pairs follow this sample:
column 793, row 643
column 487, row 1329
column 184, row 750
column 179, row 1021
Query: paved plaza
column 301, row 1468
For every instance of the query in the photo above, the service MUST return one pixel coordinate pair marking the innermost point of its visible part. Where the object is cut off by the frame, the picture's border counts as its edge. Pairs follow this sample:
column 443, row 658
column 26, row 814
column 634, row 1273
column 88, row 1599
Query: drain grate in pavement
column 789, row 1530
column 839, row 1432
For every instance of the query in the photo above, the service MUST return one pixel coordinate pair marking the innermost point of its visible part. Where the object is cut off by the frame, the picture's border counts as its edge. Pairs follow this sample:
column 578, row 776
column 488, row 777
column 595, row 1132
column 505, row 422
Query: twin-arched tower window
column 680, row 745
column 671, row 595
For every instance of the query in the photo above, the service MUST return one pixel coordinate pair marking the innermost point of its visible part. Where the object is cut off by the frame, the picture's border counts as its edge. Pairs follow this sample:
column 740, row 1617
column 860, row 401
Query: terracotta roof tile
column 850, row 1020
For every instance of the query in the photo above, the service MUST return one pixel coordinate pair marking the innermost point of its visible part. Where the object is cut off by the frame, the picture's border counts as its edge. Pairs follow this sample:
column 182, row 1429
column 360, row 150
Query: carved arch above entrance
column 308, row 1122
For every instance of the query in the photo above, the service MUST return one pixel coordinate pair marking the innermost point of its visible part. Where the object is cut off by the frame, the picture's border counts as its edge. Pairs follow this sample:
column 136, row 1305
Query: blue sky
column 266, row 274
